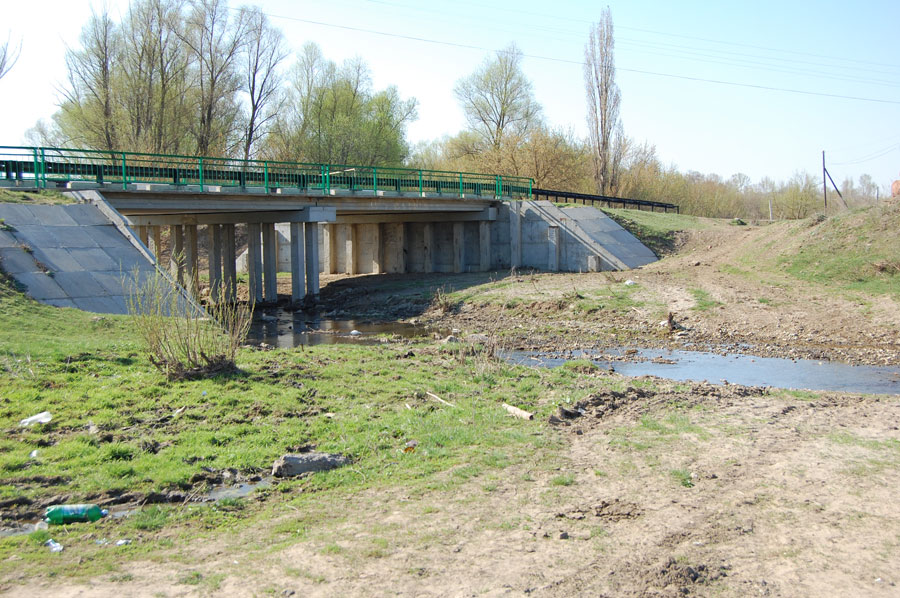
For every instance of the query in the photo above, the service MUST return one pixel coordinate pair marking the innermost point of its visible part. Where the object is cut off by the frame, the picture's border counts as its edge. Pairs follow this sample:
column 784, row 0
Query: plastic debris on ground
column 54, row 545
column 43, row 417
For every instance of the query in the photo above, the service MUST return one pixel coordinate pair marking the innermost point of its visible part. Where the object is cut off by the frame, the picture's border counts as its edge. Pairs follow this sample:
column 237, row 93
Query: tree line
column 198, row 77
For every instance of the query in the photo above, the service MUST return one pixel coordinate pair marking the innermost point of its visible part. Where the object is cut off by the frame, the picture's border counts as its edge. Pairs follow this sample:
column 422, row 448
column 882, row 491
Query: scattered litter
column 61, row 514
column 355, row 333
column 123, row 542
column 520, row 413
column 33, row 454
column 101, row 542
column 439, row 399
column 203, row 394
column 410, row 446
column 630, row 283
column 54, row 545
column 43, row 417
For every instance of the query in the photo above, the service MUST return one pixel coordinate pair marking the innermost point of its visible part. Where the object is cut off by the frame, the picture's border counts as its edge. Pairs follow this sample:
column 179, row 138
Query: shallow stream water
column 747, row 370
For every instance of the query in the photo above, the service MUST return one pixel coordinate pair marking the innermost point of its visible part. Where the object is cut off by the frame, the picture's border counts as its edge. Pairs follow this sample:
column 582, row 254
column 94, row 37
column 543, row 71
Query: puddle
column 746, row 370
column 238, row 490
column 285, row 329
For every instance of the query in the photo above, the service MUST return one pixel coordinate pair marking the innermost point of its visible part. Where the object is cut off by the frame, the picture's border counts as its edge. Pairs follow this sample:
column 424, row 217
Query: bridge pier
column 192, row 259
column 270, row 262
column 254, row 261
column 312, row 258
column 176, row 255
column 214, row 239
column 229, row 271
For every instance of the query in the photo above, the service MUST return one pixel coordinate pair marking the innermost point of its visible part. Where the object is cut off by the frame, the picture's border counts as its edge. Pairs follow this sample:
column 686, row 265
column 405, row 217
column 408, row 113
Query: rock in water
column 292, row 465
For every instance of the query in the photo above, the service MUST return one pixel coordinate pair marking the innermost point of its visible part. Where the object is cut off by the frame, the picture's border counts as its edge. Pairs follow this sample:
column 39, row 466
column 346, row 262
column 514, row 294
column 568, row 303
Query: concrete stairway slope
column 584, row 234
column 70, row 256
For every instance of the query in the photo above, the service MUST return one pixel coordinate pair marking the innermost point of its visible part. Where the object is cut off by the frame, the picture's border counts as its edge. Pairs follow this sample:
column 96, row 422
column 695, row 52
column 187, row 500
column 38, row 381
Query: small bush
column 183, row 339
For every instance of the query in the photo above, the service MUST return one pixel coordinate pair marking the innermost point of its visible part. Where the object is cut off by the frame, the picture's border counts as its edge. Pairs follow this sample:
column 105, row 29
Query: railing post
column 327, row 179
column 497, row 187
column 266, row 175
column 375, row 181
column 530, row 185
column 124, row 174
column 44, row 167
column 460, row 186
column 200, row 169
column 36, row 175
column 420, row 183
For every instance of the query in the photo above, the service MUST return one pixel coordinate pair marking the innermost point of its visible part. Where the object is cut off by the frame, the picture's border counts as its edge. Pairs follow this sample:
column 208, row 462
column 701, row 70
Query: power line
column 580, row 63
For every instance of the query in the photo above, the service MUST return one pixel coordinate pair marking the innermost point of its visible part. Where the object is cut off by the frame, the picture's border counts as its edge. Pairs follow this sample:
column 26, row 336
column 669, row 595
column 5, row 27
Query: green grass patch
column 703, row 301
column 656, row 230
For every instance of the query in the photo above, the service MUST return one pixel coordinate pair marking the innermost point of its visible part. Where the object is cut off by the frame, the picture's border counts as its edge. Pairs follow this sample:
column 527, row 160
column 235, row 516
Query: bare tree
column 497, row 98
column 8, row 57
column 603, row 103
column 263, row 53
column 215, row 44
column 87, row 112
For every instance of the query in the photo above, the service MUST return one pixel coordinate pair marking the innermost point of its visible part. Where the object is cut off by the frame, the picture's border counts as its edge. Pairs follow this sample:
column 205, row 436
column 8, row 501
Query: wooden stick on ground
column 520, row 413
column 439, row 399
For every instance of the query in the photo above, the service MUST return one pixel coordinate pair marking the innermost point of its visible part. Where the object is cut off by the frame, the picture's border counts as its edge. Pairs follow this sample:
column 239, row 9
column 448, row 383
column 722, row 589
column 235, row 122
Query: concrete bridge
column 334, row 218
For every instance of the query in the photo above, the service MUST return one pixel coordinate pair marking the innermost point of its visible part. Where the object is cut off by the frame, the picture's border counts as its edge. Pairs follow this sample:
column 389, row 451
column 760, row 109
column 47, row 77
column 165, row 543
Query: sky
column 759, row 88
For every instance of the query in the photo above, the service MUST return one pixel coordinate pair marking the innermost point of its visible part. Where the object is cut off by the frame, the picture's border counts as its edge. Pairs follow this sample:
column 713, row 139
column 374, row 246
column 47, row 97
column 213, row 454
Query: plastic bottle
column 59, row 514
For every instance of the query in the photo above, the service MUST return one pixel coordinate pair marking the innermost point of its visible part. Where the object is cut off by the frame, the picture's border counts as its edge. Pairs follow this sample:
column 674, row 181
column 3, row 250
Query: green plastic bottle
column 60, row 514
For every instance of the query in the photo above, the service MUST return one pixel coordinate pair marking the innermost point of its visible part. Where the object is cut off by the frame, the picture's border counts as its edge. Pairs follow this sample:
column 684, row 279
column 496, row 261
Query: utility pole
column 824, row 183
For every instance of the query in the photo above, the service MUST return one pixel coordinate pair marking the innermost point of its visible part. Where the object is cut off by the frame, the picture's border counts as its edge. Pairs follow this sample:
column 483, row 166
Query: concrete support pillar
column 428, row 247
column 459, row 247
column 229, row 258
column 484, row 245
column 312, row 258
column 553, row 247
column 214, row 237
column 143, row 235
column 378, row 249
column 176, row 257
column 515, row 234
column 254, row 262
column 191, row 259
column 270, row 263
column 350, row 249
column 402, row 258
column 156, row 235
column 330, row 243
column 298, row 262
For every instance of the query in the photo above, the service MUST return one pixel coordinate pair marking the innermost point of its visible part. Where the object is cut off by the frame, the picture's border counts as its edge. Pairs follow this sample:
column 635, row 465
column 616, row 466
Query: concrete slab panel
column 86, row 215
column 57, row 259
column 73, row 236
column 7, row 239
column 40, row 286
column 114, row 283
column 14, row 260
column 126, row 259
column 35, row 235
column 80, row 284
column 102, row 305
column 107, row 236
column 17, row 214
column 94, row 259
column 52, row 215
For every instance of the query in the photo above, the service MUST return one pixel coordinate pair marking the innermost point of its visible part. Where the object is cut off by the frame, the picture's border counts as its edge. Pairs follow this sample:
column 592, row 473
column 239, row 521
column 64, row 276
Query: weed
column 683, row 477
column 149, row 519
column 442, row 302
column 703, row 301
column 566, row 479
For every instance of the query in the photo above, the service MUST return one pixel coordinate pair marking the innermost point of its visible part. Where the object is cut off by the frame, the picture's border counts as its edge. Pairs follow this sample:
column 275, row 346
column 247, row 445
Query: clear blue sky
column 664, row 52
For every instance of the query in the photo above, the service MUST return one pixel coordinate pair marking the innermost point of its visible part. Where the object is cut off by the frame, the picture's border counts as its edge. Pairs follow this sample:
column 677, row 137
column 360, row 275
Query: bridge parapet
column 46, row 167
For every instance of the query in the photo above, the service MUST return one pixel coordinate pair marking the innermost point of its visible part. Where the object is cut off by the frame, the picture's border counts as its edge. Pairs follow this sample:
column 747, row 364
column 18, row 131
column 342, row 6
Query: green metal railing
column 52, row 166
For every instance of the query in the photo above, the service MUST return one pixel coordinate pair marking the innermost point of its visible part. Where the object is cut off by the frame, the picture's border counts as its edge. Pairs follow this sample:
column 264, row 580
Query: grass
column 33, row 197
column 703, row 301
column 119, row 425
column 656, row 230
